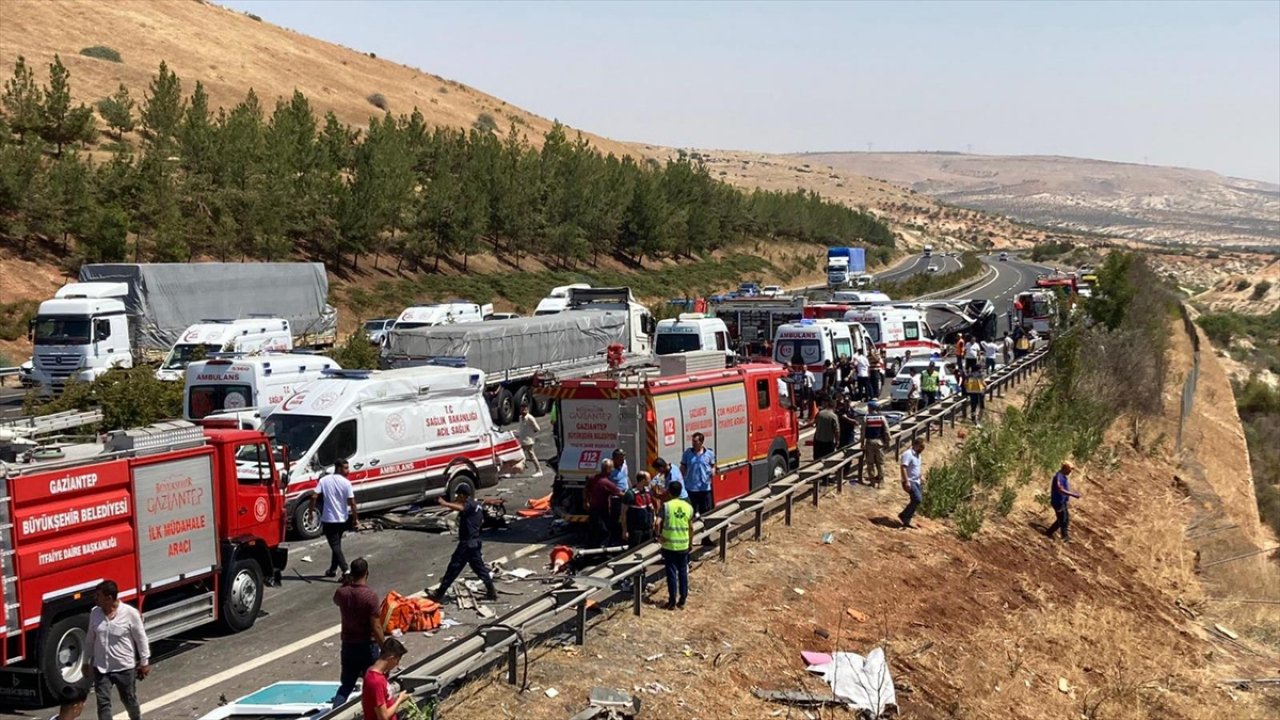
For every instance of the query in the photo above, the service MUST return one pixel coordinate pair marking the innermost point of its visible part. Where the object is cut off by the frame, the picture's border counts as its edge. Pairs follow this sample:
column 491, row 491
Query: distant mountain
column 1142, row 202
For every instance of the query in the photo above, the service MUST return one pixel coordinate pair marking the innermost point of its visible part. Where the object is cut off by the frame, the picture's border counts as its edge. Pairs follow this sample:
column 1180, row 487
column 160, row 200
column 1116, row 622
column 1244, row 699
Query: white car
column 376, row 330
column 932, row 268
column 901, row 385
column 771, row 290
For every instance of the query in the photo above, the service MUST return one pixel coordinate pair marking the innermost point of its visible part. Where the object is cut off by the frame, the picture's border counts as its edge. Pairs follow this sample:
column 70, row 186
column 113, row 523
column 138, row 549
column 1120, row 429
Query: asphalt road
column 295, row 638
column 917, row 264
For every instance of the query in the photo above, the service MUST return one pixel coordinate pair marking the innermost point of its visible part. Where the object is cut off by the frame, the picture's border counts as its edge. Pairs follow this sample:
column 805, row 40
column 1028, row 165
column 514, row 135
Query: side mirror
column 31, row 330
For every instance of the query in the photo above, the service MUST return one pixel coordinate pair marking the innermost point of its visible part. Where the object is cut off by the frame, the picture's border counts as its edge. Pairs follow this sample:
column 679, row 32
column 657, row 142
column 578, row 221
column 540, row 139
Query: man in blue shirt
column 1059, row 496
column 620, row 476
column 698, row 465
column 666, row 473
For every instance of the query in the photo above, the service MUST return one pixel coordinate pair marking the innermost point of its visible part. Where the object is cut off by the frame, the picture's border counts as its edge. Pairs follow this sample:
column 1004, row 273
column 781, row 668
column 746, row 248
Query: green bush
column 379, row 101
column 129, row 398
column 14, row 318
column 357, row 353
column 485, row 123
column 102, row 52
column 1260, row 290
column 1242, row 285
column 969, row 519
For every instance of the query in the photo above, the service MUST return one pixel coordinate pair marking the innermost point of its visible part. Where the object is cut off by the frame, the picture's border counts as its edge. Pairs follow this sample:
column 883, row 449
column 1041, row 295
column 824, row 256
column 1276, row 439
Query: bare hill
column 230, row 53
column 1141, row 202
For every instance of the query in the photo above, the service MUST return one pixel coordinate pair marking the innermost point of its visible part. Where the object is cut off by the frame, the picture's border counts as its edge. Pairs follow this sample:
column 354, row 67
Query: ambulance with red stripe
column 745, row 413
column 188, row 531
column 408, row 434
column 896, row 330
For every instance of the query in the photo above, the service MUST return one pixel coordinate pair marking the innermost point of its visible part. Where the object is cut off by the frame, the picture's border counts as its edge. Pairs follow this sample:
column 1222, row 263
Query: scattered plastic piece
column 812, row 657
column 551, row 692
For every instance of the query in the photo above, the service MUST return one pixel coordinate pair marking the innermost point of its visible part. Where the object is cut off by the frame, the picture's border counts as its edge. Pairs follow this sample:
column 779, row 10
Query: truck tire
column 504, row 407
column 62, row 653
column 540, row 405
column 777, row 467
column 241, row 596
column 524, row 397
column 458, row 480
column 306, row 523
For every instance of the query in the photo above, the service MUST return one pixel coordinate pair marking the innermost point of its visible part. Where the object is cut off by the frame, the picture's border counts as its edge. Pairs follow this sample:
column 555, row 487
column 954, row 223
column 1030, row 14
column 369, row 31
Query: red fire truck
column 745, row 413
column 187, row 521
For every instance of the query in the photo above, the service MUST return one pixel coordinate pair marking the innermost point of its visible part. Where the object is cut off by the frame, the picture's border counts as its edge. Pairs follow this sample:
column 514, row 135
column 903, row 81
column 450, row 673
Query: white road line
column 293, row 647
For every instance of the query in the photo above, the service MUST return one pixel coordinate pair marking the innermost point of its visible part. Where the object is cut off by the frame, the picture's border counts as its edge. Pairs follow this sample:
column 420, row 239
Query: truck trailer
column 844, row 265
column 164, row 511
column 120, row 315
column 744, row 412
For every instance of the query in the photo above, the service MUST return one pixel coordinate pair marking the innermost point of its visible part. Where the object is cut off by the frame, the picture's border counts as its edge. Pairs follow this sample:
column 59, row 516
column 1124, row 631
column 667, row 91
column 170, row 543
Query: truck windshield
column 374, row 325
column 204, row 400
column 873, row 329
column 183, row 355
column 299, row 432
column 671, row 343
column 62, row 330
column 809, row 351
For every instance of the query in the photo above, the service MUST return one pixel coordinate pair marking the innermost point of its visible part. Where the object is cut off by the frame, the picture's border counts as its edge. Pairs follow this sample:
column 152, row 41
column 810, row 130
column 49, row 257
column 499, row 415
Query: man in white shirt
column 862, row 369
column 337, row 513
column 970, row 355
column 117, row 651
column 913, row 392
column 528, row 435
column 912, row 481
column 991, row 349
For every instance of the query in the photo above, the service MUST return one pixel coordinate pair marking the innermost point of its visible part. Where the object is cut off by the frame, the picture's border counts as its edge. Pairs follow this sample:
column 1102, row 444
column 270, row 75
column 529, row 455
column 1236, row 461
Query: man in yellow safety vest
column 675, row 530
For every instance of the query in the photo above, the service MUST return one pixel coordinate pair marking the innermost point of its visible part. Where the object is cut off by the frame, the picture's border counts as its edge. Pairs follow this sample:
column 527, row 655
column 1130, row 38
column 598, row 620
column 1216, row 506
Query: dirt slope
column 230, row 52
column 1117, row 625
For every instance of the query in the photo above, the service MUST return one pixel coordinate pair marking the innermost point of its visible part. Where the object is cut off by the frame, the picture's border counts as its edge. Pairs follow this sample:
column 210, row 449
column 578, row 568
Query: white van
column 557, row 300
column 246, row 388
column 896, row 330
column 813, row 342
column 689, row 332
column 441, row 314
column 862, row 297
column 408, row 434
column 250, row 335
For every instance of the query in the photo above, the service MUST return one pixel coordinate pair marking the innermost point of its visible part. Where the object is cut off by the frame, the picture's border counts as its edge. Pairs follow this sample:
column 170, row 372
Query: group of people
column 859, row 378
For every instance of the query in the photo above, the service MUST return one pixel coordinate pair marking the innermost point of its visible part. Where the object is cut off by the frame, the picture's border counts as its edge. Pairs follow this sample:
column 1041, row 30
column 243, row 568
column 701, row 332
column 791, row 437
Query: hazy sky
column 1191, row 84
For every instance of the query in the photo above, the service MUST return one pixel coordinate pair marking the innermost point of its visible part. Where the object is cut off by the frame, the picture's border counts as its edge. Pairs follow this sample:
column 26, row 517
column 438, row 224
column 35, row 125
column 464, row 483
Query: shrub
column 485, row 123
column 969, row 519
column 129, row 398
column 1004, row 505
column 14, row 318
column 357, row 353
column 1242, row 285
column 102, row 52
column 373, row 55
column 253, row 17
column 379, row 101
column 1260, row 290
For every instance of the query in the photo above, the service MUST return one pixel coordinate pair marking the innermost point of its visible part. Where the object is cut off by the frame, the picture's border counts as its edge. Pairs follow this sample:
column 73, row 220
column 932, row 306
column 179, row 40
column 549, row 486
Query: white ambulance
column 690, row 332
column 246, row 388
column 862, row 297
column 814, row 342
column 408, row 434
column 247, row 335
column 896, row 330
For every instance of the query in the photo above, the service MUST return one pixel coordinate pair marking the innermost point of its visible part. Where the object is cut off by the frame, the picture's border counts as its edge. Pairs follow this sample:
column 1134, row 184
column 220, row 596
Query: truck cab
column 80, row 334
column 557, row 300
column 691, row 332
column 210, row 337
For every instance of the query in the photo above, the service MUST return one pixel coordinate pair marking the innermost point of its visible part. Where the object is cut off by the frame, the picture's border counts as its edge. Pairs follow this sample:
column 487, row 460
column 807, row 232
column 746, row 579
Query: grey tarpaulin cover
column 498, row 346
column 166, row 298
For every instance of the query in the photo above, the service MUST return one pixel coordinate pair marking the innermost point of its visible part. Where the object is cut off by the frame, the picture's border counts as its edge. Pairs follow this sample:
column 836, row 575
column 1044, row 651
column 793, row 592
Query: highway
column 295, row 637
column 917, row 264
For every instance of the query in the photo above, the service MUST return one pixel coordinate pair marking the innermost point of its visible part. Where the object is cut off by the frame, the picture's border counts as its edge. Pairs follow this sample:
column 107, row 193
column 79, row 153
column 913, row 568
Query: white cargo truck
column 408, row 434
column 691, row 332
column 121, row 315
column 513, row 352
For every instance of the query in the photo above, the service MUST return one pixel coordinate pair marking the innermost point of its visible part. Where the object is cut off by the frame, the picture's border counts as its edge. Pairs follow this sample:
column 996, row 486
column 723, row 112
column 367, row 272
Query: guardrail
column 505, row 637
column 1189, row 385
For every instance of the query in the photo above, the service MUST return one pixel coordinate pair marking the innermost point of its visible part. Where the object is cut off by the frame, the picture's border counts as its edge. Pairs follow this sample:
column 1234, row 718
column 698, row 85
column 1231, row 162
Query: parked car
column 503, row 316
column 932, row 268
column 771, row 290
column 947, row 381
column 375, row 330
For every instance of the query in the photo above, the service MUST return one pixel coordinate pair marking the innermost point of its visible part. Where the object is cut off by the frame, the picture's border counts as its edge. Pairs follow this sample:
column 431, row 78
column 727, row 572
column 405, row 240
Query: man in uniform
column 875, row 439
column 675, row 530
column 470, row 518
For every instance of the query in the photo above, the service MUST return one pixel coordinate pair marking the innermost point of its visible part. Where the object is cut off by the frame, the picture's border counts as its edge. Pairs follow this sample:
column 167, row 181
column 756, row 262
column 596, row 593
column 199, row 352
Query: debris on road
column 797, row 697
column 864, row 682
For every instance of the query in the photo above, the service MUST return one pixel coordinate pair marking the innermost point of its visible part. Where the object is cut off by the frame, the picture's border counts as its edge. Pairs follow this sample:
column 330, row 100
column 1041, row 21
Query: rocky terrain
column 1141, row 202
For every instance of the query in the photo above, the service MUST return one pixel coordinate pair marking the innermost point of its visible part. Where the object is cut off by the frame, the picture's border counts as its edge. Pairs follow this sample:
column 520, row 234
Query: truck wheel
column 62, row 655
column 458, row 480
column 504, row 408
column 777, row 467
column 524, row 397
column 306, row 522
column 539, row 405
column 241, row 596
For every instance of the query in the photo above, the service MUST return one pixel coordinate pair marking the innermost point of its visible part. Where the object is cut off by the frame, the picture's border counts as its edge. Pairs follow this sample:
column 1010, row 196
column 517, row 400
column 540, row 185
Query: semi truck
column 513, row 352
column 744, row 412
column 845, row 265
column 119, row 315
column 164, row 511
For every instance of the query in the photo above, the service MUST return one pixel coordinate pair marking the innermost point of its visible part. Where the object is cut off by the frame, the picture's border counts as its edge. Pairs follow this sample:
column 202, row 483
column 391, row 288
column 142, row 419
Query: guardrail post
column 513, row 656
column 787, row 517
column 759, row 523
column 724, row 543
column 581, row 637
column 637, row 591
column 862, row 468
column 840, row 478
column 817, row 489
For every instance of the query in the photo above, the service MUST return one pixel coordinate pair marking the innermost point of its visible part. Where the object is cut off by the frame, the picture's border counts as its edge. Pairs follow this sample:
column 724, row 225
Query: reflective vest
column 677, row 519
column 929, row 381
column 875, row 428
column 1022, row 343
column 975, row 385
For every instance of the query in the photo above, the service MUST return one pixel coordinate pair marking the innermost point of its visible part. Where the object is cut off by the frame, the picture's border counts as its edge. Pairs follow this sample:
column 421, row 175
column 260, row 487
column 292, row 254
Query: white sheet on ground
column 863, row 681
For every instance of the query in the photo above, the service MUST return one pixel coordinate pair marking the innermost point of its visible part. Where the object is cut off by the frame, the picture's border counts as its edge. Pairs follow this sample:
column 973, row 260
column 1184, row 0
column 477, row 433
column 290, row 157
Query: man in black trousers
column 470, row 518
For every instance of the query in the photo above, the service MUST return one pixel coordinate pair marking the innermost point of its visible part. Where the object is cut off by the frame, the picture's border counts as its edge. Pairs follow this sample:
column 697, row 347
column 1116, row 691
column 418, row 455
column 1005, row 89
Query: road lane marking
column 170, row 698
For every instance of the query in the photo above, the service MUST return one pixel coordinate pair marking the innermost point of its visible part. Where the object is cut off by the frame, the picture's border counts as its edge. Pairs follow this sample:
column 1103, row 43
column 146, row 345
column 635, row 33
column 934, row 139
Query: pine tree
column 22, row 100
column 117, row 111
column 162, row 108
column 60, row 123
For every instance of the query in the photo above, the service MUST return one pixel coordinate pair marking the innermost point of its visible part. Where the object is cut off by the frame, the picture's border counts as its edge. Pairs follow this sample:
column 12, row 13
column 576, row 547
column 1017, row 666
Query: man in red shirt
column 375, row 696
column 361, row 626
column 600, row 489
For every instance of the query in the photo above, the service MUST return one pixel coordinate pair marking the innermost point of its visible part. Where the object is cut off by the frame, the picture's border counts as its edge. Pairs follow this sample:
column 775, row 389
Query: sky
column 1169, row 83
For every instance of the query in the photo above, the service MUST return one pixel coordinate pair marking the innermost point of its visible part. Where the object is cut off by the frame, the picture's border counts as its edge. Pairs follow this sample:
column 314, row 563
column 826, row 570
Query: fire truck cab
column 169, row 512
column 744, row 412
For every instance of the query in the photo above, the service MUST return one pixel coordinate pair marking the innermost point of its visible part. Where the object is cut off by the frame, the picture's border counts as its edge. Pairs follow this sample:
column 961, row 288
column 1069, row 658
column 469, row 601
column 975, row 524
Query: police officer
column 875, row 438
column 470, row 518
column 675, row 528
